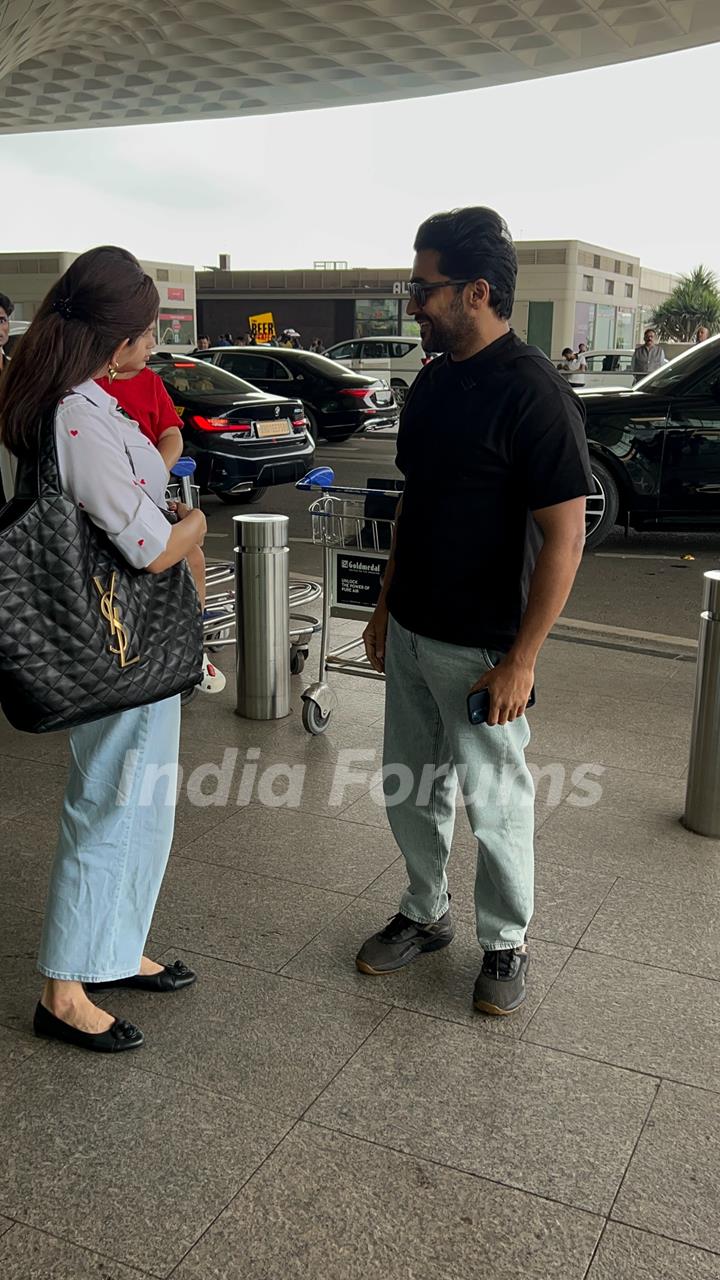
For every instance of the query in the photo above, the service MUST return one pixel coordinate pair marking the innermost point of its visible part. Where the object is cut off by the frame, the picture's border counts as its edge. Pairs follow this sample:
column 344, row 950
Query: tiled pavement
column 290, row 1118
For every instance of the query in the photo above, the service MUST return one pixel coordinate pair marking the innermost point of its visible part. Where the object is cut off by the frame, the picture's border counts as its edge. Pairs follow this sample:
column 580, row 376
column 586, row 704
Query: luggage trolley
column 356, row 547
column 219, row 619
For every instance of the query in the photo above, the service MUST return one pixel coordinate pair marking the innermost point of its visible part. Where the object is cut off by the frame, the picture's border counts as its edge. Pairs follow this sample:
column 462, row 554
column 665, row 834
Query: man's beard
column 448, row 333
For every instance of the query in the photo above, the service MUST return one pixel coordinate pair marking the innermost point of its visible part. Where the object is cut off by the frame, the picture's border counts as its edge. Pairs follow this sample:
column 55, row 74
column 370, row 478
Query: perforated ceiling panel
column 78, row 63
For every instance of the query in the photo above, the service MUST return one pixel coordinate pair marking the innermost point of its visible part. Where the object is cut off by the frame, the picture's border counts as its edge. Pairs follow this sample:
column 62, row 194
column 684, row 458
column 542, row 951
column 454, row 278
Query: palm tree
column 694, row 301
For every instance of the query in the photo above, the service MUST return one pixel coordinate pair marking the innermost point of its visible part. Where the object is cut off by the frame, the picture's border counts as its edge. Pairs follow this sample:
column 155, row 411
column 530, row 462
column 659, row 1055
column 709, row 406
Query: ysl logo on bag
column 111, row 614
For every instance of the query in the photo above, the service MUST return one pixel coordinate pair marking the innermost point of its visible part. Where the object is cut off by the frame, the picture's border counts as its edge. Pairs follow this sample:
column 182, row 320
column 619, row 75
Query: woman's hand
column 181, row 509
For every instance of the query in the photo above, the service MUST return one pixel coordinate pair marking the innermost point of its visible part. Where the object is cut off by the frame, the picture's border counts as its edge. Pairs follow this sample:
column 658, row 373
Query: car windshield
column 692, row 361
column 195, row 376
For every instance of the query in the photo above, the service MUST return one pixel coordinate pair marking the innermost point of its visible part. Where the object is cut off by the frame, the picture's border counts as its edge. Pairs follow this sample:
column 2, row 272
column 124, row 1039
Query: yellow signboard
column 262, row 327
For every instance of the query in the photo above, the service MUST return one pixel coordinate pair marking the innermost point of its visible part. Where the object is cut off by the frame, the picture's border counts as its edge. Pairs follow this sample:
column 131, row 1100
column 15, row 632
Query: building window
column 162, row 273
column 624, row 327
column 629, row 270
column 588, row 284
column 628, row 291
column 609, row 286
column 376, row 316
column 596, row 261
column 584, row 324
column 618, row 266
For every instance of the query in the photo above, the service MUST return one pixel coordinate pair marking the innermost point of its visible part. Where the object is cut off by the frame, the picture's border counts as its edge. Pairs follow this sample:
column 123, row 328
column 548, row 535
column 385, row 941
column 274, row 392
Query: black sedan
column 241, row 439
column 338, row 401
column 655, row 448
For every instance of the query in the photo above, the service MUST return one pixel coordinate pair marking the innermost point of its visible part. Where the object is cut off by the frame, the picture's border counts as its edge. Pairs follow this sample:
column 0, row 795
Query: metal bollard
column 702, row 798
column 262, row 621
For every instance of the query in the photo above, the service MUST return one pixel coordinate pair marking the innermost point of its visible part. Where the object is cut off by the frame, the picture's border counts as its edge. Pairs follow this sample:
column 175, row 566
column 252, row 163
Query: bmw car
column 242, row 439
column 338, row 402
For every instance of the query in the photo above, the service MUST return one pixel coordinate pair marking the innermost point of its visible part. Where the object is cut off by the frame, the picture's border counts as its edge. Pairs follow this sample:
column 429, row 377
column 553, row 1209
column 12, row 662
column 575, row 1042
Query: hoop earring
column 113, row 371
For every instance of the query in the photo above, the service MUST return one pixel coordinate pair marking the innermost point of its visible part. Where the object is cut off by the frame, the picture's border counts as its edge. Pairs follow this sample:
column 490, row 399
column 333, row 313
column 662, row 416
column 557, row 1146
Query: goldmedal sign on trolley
column 358, row 579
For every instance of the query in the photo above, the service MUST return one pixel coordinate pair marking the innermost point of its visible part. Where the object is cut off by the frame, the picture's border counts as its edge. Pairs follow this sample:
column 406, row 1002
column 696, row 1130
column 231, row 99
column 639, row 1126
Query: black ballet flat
column 172, row 978
column 121, row 1035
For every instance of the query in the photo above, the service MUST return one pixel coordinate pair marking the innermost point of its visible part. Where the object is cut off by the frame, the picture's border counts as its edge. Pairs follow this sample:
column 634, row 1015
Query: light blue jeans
column 113, row 844
column 430, row 743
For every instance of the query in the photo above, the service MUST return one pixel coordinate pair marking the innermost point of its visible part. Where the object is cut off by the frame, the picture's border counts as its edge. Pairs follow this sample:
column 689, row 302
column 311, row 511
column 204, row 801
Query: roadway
column 642, row 583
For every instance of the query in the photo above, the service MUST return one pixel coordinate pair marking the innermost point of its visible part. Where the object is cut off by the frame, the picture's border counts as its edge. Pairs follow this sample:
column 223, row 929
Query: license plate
column 278, row 427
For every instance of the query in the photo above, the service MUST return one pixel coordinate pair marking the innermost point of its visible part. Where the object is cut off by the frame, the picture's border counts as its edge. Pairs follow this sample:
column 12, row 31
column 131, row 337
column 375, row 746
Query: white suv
column 397, row 358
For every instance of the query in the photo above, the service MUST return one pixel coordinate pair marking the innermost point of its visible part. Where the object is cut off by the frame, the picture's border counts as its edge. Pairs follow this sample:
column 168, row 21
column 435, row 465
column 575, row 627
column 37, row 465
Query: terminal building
column 27, row 277
column 568, row 292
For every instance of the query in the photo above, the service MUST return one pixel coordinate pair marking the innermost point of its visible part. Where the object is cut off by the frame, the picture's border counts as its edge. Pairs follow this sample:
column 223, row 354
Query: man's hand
column 374, row 637
column 510, row 684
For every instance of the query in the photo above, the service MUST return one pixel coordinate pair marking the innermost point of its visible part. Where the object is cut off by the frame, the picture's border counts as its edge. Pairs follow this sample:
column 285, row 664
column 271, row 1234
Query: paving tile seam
column 662, row 1235
column 259, row 875
column 104, row 1257
column 238, row 1100
column 87, row 1248
column 279, row 973
column 467, row 1173
column 596, row 1249
column 353, row 1055
column 296, row 1121
column 480, row 1023
column 658, row 1077
column 642, row 964
column 608, row 764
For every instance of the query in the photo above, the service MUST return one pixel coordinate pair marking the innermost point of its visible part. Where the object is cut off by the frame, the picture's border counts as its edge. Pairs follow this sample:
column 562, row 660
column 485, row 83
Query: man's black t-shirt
column 482, row 443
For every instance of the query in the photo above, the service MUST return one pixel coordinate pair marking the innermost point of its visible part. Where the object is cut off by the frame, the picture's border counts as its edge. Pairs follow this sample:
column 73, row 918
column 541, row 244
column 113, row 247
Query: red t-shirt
column 146, row 401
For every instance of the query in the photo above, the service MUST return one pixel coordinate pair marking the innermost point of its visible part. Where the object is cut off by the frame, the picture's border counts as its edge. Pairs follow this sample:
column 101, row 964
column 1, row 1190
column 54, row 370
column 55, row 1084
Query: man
column 702, row 334
column 6, row 310
column 648, row 356
column 581, row 356
column 571, row 367
column 490, row 436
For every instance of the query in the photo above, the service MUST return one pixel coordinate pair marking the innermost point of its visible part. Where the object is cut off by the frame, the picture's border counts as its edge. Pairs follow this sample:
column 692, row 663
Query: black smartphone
column 478, row 705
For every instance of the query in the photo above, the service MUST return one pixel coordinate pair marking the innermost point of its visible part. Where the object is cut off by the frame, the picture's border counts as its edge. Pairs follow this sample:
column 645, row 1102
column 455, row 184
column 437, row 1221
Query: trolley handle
column 323, row 478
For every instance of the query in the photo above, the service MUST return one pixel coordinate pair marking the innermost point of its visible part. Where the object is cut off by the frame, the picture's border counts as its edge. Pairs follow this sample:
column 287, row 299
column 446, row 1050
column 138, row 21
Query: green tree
column 694, row 301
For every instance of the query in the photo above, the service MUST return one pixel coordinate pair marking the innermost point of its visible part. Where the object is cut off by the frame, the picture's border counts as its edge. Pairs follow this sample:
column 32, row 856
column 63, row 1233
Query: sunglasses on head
column 419, row 292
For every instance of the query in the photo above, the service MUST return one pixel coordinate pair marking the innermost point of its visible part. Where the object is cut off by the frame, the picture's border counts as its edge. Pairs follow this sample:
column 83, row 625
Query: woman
column 112, row 850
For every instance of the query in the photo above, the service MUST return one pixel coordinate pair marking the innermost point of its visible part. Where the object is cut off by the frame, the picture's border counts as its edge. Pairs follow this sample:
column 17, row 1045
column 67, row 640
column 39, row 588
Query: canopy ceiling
column 78, row 63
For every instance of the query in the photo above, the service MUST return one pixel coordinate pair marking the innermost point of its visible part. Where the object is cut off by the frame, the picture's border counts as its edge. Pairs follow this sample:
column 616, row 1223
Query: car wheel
column 602, row 507
column 242, row 499
column 401, row 389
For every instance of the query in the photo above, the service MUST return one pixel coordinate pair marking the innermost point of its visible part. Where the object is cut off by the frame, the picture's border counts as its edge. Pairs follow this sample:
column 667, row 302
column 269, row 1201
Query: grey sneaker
column 501, row 983
column 401, row 941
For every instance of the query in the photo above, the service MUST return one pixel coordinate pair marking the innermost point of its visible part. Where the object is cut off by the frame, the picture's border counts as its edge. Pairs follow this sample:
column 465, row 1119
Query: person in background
column 648, row 356
column 225, row 340
column 141, row 395
column 702, row 334
column 570, row 367
column 6, row 310
column 112, row 848
column 317, row 346
column 203, row 342
column 581, row 356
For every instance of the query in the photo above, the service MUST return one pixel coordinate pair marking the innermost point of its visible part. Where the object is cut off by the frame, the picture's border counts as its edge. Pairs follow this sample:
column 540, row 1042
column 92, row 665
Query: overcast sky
column 624, row 156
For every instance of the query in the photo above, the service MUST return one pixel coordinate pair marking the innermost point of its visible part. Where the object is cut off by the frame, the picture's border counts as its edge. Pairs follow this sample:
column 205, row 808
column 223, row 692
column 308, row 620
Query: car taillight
column 299, row 421
column 428, row 359
column 359, row 392
column 220, row 424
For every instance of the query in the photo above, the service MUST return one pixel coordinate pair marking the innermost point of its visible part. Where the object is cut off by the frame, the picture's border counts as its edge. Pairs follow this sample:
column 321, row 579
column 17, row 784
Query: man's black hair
column 474, row 244
column 7, row 306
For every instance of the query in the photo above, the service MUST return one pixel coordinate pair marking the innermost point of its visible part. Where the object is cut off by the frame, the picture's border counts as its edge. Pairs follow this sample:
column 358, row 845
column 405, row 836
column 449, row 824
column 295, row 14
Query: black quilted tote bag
column 82, row 633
